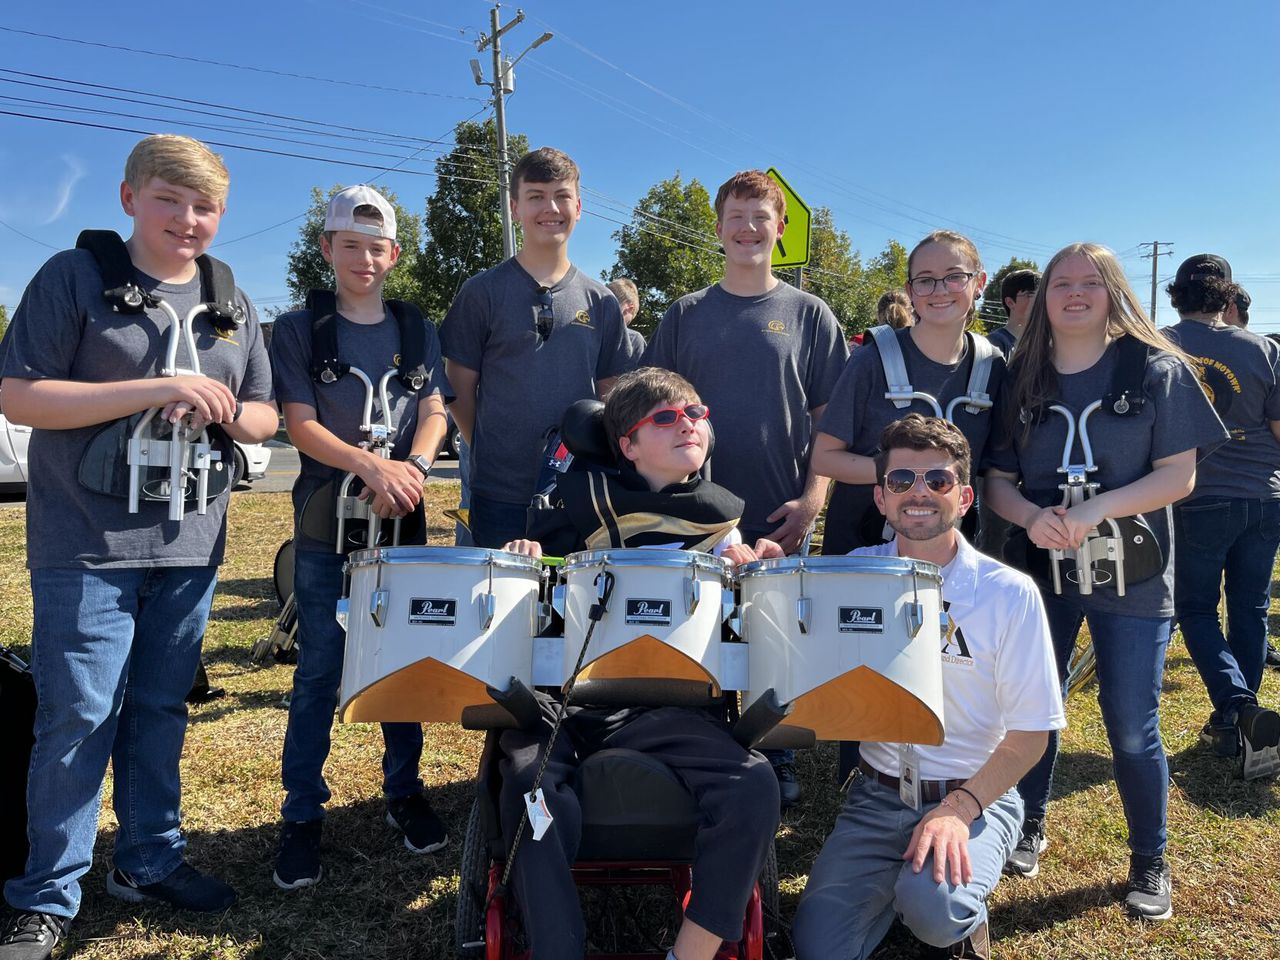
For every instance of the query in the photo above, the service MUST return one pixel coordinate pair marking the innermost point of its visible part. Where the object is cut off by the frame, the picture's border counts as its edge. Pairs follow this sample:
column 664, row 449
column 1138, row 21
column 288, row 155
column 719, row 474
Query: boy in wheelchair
column 658, row 433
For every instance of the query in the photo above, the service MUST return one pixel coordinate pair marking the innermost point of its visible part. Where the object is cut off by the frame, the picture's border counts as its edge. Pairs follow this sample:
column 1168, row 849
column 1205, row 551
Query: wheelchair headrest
column 583, row 434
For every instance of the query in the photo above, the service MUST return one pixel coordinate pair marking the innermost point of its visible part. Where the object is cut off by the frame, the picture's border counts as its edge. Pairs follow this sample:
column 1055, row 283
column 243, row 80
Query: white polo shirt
column 998, row 672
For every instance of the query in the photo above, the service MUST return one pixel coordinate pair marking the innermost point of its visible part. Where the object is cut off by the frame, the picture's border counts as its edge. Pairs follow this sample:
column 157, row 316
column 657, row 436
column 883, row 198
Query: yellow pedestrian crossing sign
column 792, row 248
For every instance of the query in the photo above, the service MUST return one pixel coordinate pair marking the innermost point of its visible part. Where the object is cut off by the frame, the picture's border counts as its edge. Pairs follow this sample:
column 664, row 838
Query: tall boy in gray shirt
column 121, row 599
column 522, row 341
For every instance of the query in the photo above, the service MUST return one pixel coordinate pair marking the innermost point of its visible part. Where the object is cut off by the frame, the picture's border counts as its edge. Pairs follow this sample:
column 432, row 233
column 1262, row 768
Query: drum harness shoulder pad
column 120, row 282
column 982, row 355
column 327, row 367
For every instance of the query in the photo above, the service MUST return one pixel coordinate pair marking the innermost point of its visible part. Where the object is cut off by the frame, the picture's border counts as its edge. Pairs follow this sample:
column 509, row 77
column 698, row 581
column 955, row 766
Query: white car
column 251, row 459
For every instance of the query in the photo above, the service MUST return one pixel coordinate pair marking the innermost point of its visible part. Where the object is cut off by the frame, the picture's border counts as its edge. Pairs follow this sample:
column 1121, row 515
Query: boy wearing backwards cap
column 121, row 599
column 322, row 415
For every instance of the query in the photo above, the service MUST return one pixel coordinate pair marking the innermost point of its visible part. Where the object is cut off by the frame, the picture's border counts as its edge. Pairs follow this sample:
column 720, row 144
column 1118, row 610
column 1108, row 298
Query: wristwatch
column 422, row 464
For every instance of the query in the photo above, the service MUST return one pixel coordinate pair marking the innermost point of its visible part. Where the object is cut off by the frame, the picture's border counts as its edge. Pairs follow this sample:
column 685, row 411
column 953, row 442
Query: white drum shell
column 433, row 655
column 649, row 631
column 855, row 672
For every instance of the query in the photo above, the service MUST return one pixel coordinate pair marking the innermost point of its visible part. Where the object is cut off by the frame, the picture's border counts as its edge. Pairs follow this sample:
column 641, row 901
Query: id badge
column 539, row 816
column 909, row 775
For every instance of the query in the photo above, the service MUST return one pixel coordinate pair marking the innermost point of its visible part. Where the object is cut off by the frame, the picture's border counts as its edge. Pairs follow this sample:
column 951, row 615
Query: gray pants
column 860, row 881
column 735, row 790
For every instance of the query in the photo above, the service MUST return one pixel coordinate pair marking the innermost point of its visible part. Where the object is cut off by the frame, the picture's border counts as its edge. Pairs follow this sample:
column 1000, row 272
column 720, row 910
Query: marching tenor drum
column 431, row 629
column 852, row 644
column 663, row 623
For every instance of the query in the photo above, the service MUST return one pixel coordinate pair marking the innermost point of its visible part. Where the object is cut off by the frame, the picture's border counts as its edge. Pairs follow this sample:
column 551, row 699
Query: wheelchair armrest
column 760, row 718
column 517, row 707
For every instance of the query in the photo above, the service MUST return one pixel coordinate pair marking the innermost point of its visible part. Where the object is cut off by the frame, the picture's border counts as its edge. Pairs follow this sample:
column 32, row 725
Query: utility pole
column 503, row 83
column 1154, row 257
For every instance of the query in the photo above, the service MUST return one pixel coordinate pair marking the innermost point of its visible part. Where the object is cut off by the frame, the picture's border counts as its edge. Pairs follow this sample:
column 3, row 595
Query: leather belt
column 931, row 791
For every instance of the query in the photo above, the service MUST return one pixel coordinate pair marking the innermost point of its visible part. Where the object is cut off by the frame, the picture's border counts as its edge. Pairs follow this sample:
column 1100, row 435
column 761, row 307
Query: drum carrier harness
column 1122, row 549
column 327, row 511
column 185, row 453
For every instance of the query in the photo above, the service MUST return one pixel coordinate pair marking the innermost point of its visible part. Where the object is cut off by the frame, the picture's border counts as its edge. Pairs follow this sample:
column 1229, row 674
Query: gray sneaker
column 1025, row 859
column 32, row 936
column 1149, row 893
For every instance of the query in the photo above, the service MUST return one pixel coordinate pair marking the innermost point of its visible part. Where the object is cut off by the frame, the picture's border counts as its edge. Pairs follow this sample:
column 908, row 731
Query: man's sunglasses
column 901, row 480
column 546, row 322
column 670, row 416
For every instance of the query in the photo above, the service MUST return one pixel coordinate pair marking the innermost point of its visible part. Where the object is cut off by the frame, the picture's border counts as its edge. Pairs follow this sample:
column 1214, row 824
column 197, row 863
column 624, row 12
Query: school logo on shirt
column 395, row 360
column 1219, row 383
column 776, row 326
column 582, row 318
column 954, row 648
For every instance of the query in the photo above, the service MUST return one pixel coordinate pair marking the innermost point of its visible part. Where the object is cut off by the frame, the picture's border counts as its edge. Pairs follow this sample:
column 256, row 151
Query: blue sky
column 1025, row 125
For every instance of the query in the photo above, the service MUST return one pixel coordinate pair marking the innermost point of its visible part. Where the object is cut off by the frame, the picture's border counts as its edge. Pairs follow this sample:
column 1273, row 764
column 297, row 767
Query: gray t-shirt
column 1003, row 340
column 64, row 330
column 525, row 385
column 858, row 411
column 339, row 406
column 761, row 364
column 1240, row 374
column 1175, row 418
column 637, row 340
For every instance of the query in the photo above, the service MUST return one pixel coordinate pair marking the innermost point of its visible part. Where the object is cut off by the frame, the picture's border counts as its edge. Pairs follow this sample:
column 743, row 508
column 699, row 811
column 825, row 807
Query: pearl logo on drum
column 648, row 611
column 861, row 620
column 433, row 611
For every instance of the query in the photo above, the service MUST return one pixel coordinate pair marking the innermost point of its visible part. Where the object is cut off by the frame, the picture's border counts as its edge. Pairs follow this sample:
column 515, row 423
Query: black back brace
column 121, row 289
column 326, row 367
column 1124, row 398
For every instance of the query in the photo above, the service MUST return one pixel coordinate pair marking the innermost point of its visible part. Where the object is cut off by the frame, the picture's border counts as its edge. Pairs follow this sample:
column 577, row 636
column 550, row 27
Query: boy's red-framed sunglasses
column 670, row 416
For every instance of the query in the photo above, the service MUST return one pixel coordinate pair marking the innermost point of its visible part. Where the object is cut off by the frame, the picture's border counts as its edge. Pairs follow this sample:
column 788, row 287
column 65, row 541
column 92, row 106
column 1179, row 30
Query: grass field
column 378, row 901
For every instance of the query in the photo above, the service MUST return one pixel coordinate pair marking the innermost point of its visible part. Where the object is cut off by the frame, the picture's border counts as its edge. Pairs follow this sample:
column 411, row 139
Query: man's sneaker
column 788, row 786
column 423, row 831
column 1149, row 894
column 32, row 936
column 186, row 888
column 1258, row 725
column 1025, row 859
column 298, row 855
column 1222, row 739
column 1273, row 657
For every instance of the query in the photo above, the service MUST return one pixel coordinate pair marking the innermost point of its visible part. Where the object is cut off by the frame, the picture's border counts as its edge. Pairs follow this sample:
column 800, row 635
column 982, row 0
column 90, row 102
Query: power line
column 24, row 236
column 236, row 66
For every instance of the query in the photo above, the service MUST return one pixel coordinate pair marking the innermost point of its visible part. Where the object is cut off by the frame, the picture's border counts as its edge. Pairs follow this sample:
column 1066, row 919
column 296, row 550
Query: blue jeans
column 860, row 882
column 1130, row 654
column 113, row 653
column 317, row 585
column 495, row 522
column 1235, row 538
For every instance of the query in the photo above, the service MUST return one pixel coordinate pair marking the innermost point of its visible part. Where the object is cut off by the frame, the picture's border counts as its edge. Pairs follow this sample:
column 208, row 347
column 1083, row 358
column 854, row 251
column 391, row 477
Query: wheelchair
column 638, row 827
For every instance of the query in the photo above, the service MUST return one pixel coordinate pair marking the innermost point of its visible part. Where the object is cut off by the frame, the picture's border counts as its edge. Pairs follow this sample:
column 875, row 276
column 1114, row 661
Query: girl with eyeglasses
column 945, row 280
column 1087, row 339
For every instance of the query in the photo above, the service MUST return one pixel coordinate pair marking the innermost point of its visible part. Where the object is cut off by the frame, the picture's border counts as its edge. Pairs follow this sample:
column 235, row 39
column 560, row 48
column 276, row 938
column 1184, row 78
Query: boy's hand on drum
column 1048, row 529
column 738, row 553
column 768, row 550
column 530, row 548
column 944, row 833
column 394, row 486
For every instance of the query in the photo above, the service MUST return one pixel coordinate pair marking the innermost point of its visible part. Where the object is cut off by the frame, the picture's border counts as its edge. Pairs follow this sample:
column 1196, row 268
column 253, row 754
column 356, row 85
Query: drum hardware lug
column 557, row 598
column 378, row 607
column 692, row 594
column 915, row 617
column 342, row 612
column 727, row 606
column 804, row 613
column 541, row 617
column 488, row 608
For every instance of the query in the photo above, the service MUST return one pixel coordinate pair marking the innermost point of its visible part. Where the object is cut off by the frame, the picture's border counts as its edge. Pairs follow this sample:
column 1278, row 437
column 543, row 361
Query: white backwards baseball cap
column 341, row 212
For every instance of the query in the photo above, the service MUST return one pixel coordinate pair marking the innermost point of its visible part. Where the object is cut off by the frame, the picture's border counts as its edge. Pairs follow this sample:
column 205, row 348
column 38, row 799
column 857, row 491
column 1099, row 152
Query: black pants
column 735, row 790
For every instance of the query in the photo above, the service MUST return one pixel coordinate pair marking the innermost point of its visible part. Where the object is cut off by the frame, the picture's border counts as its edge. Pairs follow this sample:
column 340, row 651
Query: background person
column 629, row 301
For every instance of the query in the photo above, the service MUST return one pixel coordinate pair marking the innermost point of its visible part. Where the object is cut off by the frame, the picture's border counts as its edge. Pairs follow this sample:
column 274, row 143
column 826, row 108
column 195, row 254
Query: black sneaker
column 1258, row 725
column 1149, row 894
column 298, row 855
column 1222, row 739
column 186, row 888
column 32, row 936
column 1025, row 859
column 423, row 831
column 789, row 791
column 1273, row 657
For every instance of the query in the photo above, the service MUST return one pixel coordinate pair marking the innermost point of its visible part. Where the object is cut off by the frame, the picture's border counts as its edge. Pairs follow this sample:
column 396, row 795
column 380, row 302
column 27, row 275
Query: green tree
column 308, row 270
column 992, row 312
column 834, row 271
column 4, row 319
column 463, row 220
column 669, row 248
column 887, row 270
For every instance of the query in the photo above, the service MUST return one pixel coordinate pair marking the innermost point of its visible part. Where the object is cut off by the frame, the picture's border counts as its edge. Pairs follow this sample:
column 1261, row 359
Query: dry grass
column 377, row 901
